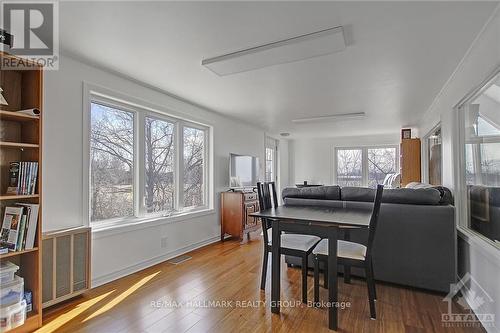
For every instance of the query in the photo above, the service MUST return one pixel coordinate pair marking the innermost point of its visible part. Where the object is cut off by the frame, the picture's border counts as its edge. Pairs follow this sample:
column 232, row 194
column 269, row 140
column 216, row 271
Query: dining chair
column 296, row 245
column 353, row 254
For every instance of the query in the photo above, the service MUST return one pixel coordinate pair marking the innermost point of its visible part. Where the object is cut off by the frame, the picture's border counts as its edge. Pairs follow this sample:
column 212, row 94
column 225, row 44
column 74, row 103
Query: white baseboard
column 150, row 262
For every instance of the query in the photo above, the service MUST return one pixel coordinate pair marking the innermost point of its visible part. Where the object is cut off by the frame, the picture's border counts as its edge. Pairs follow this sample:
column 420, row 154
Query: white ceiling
column 398, row 57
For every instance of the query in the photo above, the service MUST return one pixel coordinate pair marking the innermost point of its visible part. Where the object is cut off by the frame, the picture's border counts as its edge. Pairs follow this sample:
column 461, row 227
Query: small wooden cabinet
column 410, row 161
column 235, row 210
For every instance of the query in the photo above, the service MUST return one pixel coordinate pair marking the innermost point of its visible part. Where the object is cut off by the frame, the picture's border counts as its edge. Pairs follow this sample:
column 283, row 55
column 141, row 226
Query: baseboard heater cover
column 65, row 264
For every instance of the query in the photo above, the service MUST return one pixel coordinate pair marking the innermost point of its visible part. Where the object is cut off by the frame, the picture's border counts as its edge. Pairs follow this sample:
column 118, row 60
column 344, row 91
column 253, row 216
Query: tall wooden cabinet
column 21, row 140
column 235, row 210
column 410, row 161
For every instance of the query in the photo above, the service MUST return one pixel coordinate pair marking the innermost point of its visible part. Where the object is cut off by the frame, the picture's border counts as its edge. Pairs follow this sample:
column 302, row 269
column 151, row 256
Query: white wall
column 475, row 256
column 312, row 159
column 119, row 252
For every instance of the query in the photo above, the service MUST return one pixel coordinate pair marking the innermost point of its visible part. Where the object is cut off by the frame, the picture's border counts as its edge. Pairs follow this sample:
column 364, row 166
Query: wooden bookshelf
column 21, row 140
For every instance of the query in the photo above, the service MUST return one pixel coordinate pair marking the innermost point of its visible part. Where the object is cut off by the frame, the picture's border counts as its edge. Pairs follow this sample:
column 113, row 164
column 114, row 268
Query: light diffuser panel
column 307, row 46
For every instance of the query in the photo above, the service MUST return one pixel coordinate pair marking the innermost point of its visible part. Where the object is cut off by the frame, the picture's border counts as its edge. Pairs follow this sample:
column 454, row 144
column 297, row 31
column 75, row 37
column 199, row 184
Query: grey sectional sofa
column 415, row 243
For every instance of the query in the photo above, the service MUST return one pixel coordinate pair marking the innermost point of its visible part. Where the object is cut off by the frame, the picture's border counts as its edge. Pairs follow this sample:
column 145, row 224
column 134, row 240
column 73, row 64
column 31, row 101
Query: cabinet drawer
column 250, row 220
column 250, row 196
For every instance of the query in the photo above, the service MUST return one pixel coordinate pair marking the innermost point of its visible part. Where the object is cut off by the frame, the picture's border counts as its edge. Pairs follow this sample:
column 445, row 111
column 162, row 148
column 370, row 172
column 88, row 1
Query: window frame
column 425, row 153
column 141, row 110
column 271, row 143
column 182, row 125
column 462, row 212
column 364, row 160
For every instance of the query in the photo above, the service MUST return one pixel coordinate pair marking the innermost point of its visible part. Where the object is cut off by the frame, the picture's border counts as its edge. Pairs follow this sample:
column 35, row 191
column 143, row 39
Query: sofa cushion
column 446, row 196
column 420, row 196
column 317, row 192
column 357, row 194
column 424, row 196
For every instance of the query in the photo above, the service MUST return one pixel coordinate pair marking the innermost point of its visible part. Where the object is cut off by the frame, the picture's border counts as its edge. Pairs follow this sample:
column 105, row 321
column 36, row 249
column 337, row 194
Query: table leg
column 275, row 269
column 332, row 278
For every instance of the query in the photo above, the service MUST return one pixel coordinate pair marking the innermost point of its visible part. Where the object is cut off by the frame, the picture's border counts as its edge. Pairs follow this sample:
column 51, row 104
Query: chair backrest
column 267, row 199
column 374, row 219
column 267, row 195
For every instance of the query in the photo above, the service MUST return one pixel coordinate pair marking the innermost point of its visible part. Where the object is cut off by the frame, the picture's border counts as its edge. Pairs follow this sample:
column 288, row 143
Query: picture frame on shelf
column 406, row 133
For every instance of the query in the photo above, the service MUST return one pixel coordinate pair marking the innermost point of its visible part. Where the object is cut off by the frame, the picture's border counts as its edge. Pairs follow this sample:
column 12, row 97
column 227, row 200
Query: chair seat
column 345, row 249
column 295, row 241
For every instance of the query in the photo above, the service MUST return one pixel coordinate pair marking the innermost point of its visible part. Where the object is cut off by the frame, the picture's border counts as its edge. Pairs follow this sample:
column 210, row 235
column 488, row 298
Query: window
column 367, row 166
column 349, row 167
column 159, row 189
column 480, row 137
column 432, row 157
column 111, row 163
column 143, row 163
column 194, row 161
column 271, row 160
column 381, row 162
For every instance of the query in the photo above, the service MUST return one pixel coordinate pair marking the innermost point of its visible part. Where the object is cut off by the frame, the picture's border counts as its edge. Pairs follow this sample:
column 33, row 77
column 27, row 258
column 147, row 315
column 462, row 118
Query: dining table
column 321, row 221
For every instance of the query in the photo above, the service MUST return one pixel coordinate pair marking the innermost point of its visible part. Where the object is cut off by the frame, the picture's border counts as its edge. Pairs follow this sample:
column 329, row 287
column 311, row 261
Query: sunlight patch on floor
column 70, row 315
column 121, row 297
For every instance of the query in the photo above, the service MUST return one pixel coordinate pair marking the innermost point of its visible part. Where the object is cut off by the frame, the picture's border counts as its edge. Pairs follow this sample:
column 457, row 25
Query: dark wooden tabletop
column 338, row 216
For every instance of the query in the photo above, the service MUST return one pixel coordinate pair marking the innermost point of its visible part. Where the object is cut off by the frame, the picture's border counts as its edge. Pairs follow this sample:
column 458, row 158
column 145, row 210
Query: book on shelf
column 19, row 227
column 31, row 223
column 22, row 178
column 10, row 227
column 21, row 232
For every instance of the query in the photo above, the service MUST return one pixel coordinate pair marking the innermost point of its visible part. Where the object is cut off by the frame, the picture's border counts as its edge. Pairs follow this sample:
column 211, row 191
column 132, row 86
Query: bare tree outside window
column 381, row 161
column 111, row 162
column 160, row 165
column 171, row 167
column 349, row 167
column 194, row 152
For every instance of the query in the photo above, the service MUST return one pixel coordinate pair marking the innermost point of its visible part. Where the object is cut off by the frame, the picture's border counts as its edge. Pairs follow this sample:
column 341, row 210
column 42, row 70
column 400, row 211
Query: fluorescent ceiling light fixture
column 333, row 117
column 302, row 47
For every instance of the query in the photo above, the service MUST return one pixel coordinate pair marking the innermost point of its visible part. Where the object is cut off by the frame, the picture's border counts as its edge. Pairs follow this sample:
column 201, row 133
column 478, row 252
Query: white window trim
column 271, row 143
column 424, row 154
column 141, row 109
column 364, row 157
column 486, row 245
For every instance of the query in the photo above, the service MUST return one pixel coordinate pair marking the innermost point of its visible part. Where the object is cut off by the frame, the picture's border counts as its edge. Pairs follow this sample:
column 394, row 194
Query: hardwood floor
column 169, row 298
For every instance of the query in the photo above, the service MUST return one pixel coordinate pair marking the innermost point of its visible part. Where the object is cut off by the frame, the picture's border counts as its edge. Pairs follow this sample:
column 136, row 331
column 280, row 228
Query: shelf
column 18, row 145
column 16, row 116
column 18, row 197
column 16, row 253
